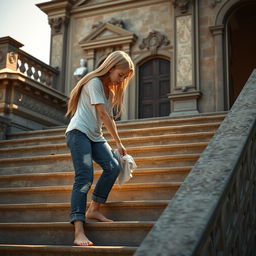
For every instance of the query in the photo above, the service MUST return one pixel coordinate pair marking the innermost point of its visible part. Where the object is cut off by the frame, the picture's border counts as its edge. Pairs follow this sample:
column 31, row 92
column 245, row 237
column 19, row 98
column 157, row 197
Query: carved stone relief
column 213, row 3
column 12, row 57
column 37, row 106
column 184, row 51
column 153, row 41
column 57, row 24
column 182, row 4
column 113, row 21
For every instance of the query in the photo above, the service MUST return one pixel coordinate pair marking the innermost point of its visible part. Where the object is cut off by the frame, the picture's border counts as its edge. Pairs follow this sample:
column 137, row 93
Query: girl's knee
column 113, row 167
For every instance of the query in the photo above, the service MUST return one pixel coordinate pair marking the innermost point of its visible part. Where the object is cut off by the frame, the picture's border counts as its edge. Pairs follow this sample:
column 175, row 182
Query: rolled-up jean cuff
column 98, row 199
column 77, row 216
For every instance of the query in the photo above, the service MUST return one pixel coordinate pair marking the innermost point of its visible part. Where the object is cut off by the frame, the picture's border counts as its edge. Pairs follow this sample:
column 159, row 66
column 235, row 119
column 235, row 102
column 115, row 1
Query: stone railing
column 29, row 95
column 214, row 211
column 36, row 69
column 13, row 58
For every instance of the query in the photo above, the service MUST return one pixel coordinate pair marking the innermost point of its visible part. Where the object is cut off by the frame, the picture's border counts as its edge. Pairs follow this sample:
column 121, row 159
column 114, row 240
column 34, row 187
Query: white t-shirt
column 85, row 118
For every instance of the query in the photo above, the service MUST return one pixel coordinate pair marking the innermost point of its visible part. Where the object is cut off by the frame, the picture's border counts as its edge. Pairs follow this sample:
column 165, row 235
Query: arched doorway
column 241, row 48
column 154, row 87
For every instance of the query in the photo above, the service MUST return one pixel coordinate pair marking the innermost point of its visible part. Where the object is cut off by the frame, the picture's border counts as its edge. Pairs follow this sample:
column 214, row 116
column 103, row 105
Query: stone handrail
column 36, row 69
column 214, row 211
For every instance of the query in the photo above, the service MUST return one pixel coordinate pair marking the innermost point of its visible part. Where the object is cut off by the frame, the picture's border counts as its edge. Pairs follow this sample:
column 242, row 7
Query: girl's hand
column 121, row 149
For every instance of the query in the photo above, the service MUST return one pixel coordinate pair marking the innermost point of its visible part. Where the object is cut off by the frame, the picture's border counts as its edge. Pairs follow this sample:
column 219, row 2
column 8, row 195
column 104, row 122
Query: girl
column 91, row 103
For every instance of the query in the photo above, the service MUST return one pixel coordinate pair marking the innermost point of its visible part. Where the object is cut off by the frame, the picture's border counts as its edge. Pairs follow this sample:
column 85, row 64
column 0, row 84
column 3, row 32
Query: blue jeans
column 83, row 152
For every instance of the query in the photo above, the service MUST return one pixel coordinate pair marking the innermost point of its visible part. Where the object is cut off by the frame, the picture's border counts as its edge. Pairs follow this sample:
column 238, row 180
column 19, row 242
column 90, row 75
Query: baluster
column 36, row 74
column 22, row 67
column 42, row 77
column 48, row 79
column 29, row 71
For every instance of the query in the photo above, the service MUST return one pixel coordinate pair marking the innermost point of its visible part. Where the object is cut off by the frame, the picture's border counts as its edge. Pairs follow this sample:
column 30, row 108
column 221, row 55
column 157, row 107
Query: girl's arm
column 110, row 124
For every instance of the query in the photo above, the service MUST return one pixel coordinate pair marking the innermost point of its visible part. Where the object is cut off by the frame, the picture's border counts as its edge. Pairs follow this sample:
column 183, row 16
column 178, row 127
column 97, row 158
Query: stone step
column 36, row 176
column 61, row 194
column 62, row 162
column 61, row 250
column 67, row 178
column 129, row 133
column 142, row 150
column 130, row 141
column 130, row 233
column 135, row 124
column 57, row 212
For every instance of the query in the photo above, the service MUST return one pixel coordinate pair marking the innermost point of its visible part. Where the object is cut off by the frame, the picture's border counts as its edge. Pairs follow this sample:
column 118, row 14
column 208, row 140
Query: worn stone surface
column 183, row 223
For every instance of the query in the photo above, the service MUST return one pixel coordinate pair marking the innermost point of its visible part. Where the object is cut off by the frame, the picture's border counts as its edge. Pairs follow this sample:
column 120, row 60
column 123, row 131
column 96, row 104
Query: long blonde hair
column 117, row 59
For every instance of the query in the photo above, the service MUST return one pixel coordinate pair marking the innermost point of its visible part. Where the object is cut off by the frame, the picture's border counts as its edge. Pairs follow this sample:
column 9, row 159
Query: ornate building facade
column 191, row 56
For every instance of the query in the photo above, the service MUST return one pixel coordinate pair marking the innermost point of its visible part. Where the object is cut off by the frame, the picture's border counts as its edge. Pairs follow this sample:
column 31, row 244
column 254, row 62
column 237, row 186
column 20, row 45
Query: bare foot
column 96, row 215
column 82, row 240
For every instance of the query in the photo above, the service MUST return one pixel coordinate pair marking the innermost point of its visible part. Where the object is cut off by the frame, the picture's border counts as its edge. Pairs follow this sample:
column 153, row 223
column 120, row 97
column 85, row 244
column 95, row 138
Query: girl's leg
column 103, row 155
column 80, row 237
column 80, row 148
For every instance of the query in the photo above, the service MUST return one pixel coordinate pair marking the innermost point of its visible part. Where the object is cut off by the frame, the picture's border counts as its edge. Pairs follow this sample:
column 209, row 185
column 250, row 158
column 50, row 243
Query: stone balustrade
column 29, row 95
column 36, row 69
column 15, row 59
column 214, row 211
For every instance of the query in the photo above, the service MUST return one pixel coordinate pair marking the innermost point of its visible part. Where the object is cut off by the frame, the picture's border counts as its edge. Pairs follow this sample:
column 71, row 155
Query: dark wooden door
column 242, row 48
column 154, row 85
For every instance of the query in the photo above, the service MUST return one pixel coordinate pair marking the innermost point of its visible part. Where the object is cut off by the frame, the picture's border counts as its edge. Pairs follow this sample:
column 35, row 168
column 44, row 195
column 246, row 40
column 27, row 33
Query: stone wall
column 139, row 18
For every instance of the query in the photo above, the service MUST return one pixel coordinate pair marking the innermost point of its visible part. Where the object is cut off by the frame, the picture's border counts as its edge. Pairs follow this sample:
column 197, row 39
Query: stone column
column 58, row 55
column 4, row 125
column 217, row 32
column 9, row 53
column 185, row 84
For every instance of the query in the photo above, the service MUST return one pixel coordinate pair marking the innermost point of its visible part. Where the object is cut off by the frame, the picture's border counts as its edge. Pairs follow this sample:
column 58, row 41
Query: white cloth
column 127, row 164
column 85, row 118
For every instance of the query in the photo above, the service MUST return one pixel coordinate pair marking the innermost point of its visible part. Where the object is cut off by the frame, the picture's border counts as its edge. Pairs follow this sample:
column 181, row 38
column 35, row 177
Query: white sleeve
column 96, row 92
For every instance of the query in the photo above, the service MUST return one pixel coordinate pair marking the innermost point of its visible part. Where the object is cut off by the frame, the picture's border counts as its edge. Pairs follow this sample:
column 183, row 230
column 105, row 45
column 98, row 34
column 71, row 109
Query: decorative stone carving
column 12, row 57
column 57, row 24
column 184, row 51
column 33, row 104
column 113, row 21
column 153, row 41
column 182, row 4
column 213, row 3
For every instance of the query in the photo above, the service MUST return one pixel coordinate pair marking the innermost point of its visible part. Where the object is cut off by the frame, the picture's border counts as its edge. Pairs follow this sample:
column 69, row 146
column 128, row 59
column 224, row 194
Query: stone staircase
column 36, row 176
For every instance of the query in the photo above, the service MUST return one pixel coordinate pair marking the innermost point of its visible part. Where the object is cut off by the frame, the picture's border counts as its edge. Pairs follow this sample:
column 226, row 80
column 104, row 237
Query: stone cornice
column 56, row 8
column 112, row 6
column 11, row 41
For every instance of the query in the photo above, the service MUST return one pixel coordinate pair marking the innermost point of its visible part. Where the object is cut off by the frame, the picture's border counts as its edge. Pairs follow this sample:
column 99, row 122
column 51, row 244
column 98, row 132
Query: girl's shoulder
column 94, row 82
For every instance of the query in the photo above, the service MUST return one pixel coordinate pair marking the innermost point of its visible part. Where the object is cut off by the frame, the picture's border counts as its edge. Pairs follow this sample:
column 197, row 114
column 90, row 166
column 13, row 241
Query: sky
column 26, row 23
